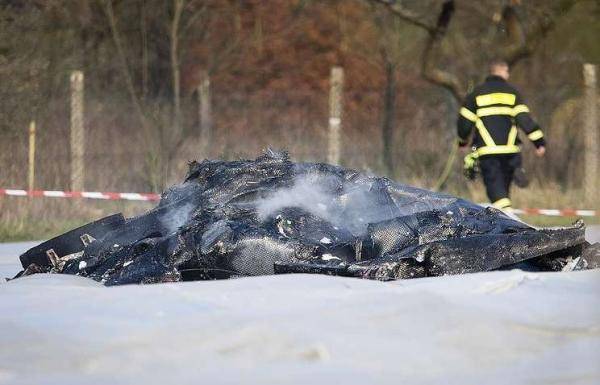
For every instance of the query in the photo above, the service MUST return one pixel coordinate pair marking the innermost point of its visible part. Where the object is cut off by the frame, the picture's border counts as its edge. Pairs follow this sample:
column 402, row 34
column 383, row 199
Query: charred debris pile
column 271, row 216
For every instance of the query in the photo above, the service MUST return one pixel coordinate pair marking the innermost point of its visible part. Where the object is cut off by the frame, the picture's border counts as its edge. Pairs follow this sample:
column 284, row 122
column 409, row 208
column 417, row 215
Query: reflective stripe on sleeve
column 520, row 108
column 468, row 114
column 535, row 135
column 495, row 98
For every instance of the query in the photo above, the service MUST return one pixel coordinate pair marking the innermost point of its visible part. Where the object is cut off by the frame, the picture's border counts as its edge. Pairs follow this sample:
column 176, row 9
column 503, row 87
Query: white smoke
column 308, row 192
column 351, row 206
column 173, row 219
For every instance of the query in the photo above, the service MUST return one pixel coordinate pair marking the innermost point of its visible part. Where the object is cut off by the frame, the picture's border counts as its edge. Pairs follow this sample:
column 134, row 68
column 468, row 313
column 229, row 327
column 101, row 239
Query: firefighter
column 495, row 109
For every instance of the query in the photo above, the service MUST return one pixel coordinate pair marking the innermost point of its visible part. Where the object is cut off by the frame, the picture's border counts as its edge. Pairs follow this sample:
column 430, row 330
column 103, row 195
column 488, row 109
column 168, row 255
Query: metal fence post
column 77, row 132
column 591, row 133
column 335, row 114
column 31, row 172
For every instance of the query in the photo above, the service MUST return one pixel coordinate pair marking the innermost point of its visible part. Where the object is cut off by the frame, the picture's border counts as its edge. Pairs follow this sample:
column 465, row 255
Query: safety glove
column 471, row 165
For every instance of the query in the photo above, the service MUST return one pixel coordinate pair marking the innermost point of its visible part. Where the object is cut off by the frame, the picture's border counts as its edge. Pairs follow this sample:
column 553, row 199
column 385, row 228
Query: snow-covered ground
column 9, row 257
column 493, row 328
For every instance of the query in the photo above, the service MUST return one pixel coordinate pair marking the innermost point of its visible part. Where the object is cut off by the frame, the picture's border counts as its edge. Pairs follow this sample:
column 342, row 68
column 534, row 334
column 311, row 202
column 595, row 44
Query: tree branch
column 429, row 71
column 110, row 15
column 397, row 9
column 522, row 43
column 195, row 15
column 435, row 34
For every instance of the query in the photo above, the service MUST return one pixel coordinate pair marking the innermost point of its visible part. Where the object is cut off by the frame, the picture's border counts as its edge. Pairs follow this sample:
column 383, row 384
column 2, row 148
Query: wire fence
column 118, row 156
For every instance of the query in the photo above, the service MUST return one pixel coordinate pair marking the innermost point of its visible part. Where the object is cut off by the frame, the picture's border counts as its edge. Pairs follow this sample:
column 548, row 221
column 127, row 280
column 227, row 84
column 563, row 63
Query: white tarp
column 493, row 328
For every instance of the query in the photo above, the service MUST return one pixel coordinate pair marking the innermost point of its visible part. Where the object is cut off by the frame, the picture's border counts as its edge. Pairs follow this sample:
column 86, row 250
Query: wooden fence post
column 77, row 132
column 591, row 133
column 31, row 172
column 335, row 114
column 205, row 111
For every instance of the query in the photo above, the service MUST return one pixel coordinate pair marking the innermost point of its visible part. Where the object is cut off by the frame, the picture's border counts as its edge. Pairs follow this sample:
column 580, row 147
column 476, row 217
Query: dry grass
column 42, row 218
column 547, row 196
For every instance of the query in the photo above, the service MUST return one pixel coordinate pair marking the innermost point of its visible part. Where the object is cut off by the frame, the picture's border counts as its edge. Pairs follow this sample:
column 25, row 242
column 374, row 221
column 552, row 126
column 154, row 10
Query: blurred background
column 169, row 81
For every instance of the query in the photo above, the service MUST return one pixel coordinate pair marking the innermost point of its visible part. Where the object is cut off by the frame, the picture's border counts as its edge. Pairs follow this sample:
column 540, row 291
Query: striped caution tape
column 156, row 197
column 558, row 212
column 82, row 194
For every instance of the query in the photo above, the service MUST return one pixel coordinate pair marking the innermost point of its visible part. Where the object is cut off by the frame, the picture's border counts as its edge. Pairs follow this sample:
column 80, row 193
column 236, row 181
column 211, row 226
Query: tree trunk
column 176, row 135
column 389, row 112
column 174, row 38
column 144, row 31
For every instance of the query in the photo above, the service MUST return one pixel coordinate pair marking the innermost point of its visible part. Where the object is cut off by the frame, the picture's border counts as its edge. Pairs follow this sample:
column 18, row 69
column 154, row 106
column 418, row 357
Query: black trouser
column 497, row 172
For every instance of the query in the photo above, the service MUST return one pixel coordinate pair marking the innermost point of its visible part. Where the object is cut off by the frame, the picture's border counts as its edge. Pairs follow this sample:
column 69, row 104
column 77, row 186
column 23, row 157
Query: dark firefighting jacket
column 495, row 109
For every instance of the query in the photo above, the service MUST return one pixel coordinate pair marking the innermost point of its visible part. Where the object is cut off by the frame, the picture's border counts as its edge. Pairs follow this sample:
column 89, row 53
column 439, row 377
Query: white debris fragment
column 328, row 257
column 575, row 264
column 82, row 265
column 281, row 230
column 127, row 263
column 420, row 257
column 69, row 257
column 325, row 240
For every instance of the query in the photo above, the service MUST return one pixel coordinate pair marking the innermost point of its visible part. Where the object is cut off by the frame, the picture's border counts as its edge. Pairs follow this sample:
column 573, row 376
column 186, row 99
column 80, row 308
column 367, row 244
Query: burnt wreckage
column 270, row 216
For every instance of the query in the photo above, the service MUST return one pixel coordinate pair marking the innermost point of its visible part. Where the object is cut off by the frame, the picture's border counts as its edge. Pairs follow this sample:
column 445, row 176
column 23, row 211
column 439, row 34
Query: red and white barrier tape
column 156, row 197
column 558, row 212
column 82, row 194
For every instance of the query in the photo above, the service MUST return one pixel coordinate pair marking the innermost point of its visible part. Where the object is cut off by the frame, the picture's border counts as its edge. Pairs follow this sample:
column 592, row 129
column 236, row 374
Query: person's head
column 499, row 67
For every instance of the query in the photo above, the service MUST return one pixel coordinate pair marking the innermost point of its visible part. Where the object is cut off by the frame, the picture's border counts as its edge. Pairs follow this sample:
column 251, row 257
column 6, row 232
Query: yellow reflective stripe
column 520, row 108
column 502, row 203
column 468, row 114
column 495, row 98
column 535, row 135
column 512, row 111
column 487, row 111
column 470, row 159
column 512, row 135
column 497, row 150
column 485, row 135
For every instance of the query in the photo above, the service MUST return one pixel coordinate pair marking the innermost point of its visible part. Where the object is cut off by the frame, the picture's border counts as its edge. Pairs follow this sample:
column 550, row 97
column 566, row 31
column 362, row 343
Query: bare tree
column 188, row 23
column 521, row 33
column 122, row 57
column 388, row 52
